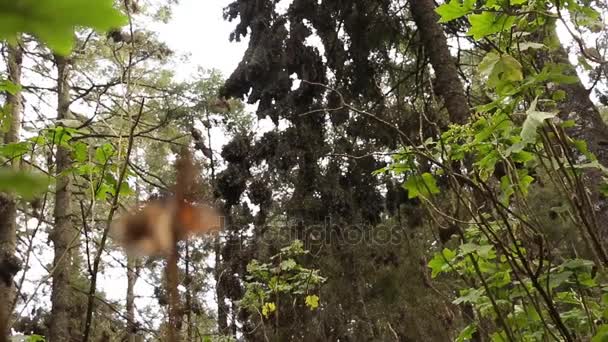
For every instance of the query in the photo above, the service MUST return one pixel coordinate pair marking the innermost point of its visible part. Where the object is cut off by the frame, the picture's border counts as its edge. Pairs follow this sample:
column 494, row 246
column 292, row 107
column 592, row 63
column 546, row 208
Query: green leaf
column 421, row 185
column 103, row 190
column 35, row 338
column 558, row 95
column 440, row 261
column 454, row 10
column 487, row 23
column 14, row 150
column 471, row 295
column 487, row 64
column 602, row 334
column 81, row 151
column 9, row 87
column 287, row 265
column 437, row 265
column 534, row 119
column 312, row 301
column 577, row 264
column 24, row 184
column 467, row 333
column 501, row 70
column 54, row 21
column 104, row 152
column 511, row 68
column 268, row 308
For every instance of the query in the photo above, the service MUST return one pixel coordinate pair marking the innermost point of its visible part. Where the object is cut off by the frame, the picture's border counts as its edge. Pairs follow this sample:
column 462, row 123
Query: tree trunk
column 446, row 84
column 590, row 128
column 63, row 233
column 9, row 264
column 132, row 274
column 220, row 291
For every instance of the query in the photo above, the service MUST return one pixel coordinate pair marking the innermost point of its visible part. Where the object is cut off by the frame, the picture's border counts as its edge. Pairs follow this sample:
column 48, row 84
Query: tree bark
column 220, row 291
column 132, row 275
column 63, row 234
column 593, row 130
column 446, row 84
column 9, row 264
column 590, row 128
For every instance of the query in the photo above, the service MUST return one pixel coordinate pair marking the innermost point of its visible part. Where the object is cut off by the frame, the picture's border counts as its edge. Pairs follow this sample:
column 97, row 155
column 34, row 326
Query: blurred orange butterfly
column 155, row 228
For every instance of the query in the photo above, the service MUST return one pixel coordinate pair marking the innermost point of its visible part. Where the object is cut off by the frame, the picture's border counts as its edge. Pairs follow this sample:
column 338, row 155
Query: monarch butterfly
column 160, row 224
column 155, row 228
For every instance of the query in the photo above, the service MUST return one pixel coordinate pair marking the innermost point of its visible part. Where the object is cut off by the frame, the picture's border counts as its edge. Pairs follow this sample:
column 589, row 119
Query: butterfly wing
column 150, row 230
column 197, row 219
column 147, row 231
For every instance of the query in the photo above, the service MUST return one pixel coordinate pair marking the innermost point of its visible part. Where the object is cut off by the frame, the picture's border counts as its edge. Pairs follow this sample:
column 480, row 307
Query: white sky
column 198, row 28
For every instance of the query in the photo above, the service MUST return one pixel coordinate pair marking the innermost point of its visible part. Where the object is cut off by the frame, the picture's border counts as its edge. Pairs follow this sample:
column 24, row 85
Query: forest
column 367, row 170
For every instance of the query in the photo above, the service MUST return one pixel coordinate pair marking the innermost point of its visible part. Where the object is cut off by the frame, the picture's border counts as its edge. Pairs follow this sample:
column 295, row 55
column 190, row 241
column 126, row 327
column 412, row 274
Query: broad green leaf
column 312, row 301
column 104, row 152
column 103, row 190
column 467, row 248
column 487, row 64
column 125, row 189
column 469, row 296
column 501, row 70
column 487, row 23
column 577, row 264
column 467, row 333
column 437, row 265
column 511, row 68
column 557, row 278
column 440, row 261
column 421, row 185
column 454, row 10
column 54, row 21
column 9, row 87
column 14, row 150
column 22, row 183
column 534, row 120
column 80, row 151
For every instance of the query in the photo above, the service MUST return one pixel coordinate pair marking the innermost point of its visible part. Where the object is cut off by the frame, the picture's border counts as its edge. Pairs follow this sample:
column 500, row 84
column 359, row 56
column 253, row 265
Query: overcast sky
column 198, row 28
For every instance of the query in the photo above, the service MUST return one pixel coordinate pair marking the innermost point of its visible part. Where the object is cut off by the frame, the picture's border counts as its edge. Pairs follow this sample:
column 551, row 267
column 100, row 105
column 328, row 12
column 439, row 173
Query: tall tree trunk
column 9, row 264
column 446, row 84
column 63, row 233
column 220, row 291
column 590, row 128
column 593, row 130
column 132, row 274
